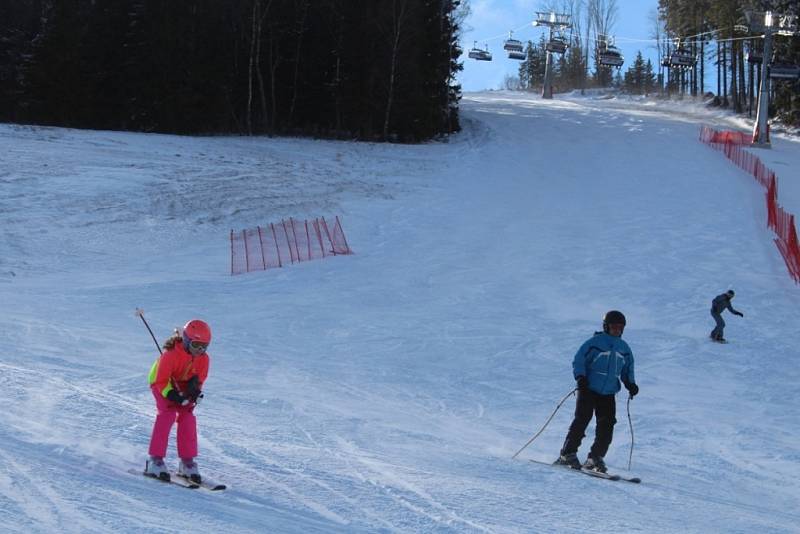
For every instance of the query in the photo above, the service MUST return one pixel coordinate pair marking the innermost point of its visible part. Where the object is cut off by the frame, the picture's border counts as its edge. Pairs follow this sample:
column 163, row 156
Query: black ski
column 175, row 480
column 591, row 473
column 206, row 482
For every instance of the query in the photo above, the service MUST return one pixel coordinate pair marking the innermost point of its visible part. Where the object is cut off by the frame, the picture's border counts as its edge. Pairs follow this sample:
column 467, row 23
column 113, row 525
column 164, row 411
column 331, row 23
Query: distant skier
column 718, row 305
column 598, row 366
column 176, row 380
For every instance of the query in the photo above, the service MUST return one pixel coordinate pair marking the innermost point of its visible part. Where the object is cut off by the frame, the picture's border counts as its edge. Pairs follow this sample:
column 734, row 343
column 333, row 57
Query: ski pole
column 630, row 423
column 140, row 313
column 546, row 422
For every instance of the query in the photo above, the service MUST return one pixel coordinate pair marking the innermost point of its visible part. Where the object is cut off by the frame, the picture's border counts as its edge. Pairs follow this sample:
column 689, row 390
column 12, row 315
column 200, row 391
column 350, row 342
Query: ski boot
column 154, row 467
column 187, row 468
column 569, row 460
column 595, row 463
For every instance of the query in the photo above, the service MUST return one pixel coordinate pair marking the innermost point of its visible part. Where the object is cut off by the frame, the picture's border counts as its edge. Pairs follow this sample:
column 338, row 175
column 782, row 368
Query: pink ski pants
column 166, row 414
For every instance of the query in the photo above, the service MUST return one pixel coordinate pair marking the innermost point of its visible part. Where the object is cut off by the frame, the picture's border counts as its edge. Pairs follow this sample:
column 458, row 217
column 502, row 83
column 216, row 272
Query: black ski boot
column 568, row 460
column 595, row 463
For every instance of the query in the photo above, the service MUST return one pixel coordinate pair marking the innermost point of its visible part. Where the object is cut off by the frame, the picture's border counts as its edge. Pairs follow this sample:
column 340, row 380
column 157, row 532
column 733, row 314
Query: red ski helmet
column 197, row 330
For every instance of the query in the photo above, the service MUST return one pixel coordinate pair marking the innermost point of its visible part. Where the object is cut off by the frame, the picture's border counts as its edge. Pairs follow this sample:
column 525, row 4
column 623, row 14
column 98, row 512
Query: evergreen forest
column 357, row 69
column 731, row 32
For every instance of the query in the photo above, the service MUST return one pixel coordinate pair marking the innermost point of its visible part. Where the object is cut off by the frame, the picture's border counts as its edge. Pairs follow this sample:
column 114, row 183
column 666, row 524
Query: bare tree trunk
column 724, row 74
column 249, row 116
column 604, row 15
column 742, row 80
column 694, row 69
column 719, row 76
column 702, row 67
column 734, row 84
column 265, row 117
column 274, row 60
column 300, row 34
column 397, row 25
column 260, row 76
column 588, row 35
column 751, row 86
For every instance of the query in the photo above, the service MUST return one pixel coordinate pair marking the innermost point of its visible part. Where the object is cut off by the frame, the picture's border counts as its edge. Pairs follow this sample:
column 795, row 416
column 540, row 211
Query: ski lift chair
column 480, row 55
column 682, row 58
column 556, row 46
column 512, row 45
column 784, row 71
column 521, row 56
column 611, row 57
column 755, row 58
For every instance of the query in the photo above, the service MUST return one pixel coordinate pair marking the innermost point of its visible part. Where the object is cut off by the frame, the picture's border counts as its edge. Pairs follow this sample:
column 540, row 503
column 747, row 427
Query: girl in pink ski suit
column 176, row 381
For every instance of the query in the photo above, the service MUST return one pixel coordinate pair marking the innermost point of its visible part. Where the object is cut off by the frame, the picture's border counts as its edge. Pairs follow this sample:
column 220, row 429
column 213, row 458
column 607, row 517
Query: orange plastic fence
column 286, row 242
column 779, row 220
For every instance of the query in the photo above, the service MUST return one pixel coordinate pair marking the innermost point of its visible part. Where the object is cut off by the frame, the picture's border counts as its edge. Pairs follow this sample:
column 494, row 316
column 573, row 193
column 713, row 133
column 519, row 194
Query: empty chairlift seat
column 682, row 59
column 784, row 71
column 514, row 49
column 556, row 46
column 512, row 45
column 480, row 55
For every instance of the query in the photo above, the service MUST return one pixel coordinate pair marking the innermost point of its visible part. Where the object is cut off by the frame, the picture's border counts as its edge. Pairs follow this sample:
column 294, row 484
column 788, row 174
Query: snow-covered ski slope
column 387, row 391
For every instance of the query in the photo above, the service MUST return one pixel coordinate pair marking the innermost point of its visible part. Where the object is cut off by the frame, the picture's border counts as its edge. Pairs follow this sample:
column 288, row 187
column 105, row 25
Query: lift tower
column 556, row 43
column 773, row 24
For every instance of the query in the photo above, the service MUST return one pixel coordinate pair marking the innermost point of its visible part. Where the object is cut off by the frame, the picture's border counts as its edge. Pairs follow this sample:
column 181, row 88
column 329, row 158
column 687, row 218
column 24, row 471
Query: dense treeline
column 370, row 69
column 716, row 32
column 726, row 49
column 568, row 72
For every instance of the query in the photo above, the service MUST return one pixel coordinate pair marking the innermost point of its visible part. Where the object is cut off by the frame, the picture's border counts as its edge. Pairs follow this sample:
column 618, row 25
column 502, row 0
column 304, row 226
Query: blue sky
column 493, row 18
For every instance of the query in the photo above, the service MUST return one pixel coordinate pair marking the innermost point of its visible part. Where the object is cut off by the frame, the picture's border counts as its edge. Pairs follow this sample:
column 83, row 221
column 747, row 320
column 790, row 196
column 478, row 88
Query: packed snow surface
column 388, row 390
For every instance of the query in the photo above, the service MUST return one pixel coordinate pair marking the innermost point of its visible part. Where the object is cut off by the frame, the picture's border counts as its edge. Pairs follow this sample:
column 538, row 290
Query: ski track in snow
column 387, row 391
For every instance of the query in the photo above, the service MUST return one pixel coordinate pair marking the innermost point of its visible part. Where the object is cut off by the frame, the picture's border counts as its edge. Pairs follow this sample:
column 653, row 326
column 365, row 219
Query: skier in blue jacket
column 599, row 365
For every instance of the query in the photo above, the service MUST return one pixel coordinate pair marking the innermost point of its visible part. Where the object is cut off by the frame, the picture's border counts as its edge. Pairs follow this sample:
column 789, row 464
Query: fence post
column 772, row 195
column 246, row 252
column 319, row 237
column 277, row 248
column 288, row 244
column 294, row 234
column 328, row 234
column 261, row 242
column 232, row 252
column 308, row 241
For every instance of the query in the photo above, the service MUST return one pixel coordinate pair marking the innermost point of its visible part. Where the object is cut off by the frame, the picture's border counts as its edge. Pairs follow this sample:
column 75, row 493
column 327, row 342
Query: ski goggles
column 198, row 346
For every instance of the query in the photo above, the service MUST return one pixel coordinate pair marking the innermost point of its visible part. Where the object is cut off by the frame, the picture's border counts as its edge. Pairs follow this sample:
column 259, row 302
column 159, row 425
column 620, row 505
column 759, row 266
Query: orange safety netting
column 286, row 242
column 779, row 220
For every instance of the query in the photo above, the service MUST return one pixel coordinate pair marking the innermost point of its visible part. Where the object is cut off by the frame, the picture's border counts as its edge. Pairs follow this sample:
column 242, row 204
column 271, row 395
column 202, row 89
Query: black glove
column 583, row 383
column 740, row 314
column 193, row 388
column 632, row 388
column 177, row 398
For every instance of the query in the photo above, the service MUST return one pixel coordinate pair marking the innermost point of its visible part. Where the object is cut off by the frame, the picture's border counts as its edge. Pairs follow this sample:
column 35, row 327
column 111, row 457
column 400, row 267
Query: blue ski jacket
column 604, row 360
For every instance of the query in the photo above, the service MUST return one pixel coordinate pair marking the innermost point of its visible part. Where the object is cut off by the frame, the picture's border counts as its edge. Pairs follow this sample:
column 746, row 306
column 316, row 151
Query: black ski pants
column 588, row 404
column 717, row 333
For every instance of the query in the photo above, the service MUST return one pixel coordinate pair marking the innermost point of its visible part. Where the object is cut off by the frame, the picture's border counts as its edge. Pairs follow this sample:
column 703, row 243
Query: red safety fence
column 780, row 221
column 286, row 242
column 709, row 135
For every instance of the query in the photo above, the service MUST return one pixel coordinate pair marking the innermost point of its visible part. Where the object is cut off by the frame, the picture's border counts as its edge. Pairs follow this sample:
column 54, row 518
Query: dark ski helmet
column 196, row 334
column 730, row 293
column 613, row 317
